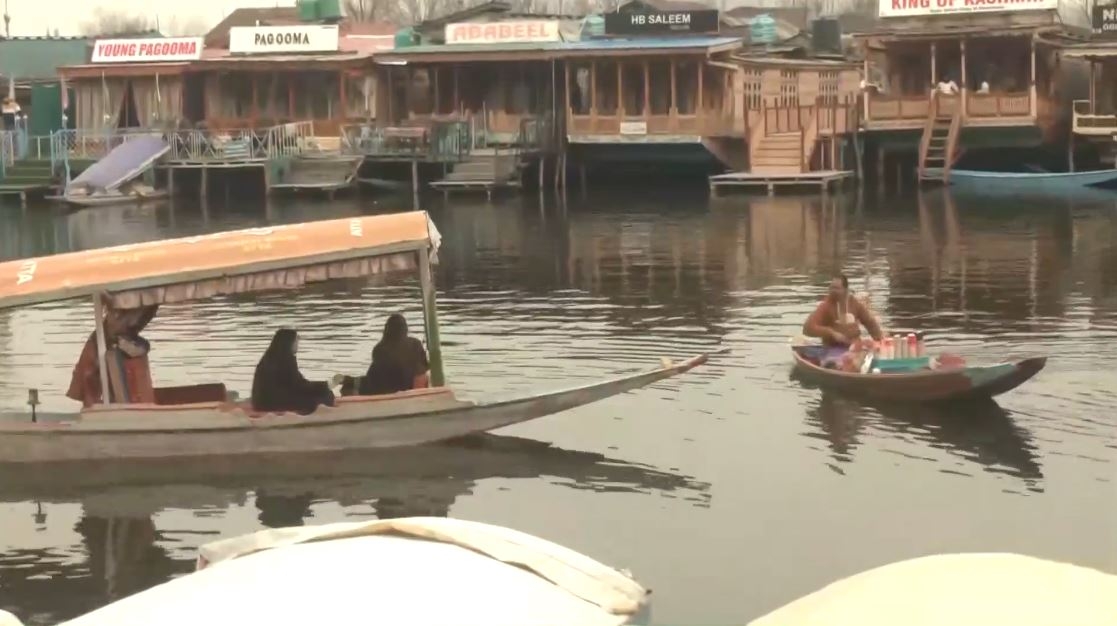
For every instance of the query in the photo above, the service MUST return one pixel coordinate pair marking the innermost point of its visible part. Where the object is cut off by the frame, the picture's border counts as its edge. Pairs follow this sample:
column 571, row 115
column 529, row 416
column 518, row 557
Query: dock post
column 267, row 178
column 23, row 199
column 881, row 156
column 171, row 181
column 415, row 182
column 582, row 175
column 542, row 162
column 205, row 182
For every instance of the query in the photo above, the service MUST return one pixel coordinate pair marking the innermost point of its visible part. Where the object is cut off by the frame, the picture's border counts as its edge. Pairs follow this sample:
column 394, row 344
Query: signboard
column 521, row 31
column 660, row 22
column 1104, row 22
column 147, row 50
column 283, row 39
column 634, row 128
column 915, row 8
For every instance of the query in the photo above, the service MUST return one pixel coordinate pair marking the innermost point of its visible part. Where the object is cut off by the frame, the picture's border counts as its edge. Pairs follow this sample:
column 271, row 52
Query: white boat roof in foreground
column 984, row 589
column 402, row 572
column 254, row 259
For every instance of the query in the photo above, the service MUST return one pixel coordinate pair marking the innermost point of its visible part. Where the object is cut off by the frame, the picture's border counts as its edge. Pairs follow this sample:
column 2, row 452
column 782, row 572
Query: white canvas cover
column 986, row 589
column 411, row 571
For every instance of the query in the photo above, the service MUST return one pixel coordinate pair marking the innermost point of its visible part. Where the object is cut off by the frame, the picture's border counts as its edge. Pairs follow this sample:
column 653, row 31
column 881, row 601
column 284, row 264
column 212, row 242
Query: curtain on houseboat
column 158, row 100
column 360, row 95
column 89, row 105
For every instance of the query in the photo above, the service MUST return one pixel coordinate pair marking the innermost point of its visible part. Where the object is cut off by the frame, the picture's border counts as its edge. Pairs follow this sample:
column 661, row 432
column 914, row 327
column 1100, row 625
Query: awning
column 192, row 268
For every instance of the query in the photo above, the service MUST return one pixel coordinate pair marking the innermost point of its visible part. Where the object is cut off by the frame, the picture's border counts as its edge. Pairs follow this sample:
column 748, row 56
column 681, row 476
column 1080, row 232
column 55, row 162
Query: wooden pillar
column 620, row 92
column 965, row 83
column 171, row 181
column 1033, row 79
column 647, row 90
column 430, row 320
column 934, row 65
column 290, row 100
column 388, row 100
column 1070, row 152
column 434, row 105
column 415, row 182
column 865, row 74
column 566, row 93
column 254, row 110
column 593, row 92
column 343, row 107
column 698, row 102
column 882, row 156
column 205, row 183
column 1093, row 87
column 673, row 112
column 99, row 320
column 457, row 98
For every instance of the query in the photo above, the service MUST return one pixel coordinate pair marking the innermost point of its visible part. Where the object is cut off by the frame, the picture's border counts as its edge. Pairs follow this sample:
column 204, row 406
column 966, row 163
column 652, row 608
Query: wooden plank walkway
column 770, row 181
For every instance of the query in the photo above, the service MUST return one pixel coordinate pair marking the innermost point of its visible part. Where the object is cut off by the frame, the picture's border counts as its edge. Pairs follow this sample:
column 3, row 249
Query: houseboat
column 266, row 90
column 1095, row 117
column 940, row 81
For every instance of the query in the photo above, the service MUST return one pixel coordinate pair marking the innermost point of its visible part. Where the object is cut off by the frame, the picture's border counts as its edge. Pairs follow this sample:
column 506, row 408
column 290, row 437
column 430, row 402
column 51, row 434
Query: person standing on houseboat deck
column 837, row 320
column 399, row 363
column 278, row 386
column 126, row 355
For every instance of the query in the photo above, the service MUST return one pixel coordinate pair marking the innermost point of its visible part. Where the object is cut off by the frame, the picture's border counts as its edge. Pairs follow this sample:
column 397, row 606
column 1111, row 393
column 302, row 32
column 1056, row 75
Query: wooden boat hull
column 222, row 428
column 942, row 385
column 1024, row 181
column 110, row 199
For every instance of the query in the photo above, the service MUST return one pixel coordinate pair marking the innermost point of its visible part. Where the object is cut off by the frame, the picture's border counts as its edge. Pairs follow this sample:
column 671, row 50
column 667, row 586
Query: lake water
column 729, row 491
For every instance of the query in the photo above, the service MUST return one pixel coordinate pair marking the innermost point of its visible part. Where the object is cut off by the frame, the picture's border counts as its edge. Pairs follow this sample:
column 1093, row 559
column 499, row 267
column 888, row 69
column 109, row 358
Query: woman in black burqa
column 399, row 363
column 279, row 386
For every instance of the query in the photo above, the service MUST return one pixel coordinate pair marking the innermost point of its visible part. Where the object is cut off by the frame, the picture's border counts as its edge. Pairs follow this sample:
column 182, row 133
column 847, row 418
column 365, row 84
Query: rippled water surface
column 728, row 491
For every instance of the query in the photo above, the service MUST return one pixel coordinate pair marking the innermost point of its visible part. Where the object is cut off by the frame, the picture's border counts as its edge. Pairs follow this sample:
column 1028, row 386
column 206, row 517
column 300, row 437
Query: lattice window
column 789, row 88
column 753, row 94
column 828, row 87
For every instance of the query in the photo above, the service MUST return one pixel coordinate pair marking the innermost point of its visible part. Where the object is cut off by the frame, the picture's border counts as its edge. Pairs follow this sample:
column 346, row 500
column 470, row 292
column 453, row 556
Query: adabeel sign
column 153, row 50
column 915, row 8
column 521, row 31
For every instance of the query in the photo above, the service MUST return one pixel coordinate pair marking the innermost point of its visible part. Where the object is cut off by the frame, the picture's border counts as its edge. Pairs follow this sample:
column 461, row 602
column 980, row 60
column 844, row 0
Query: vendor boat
column 206, row 420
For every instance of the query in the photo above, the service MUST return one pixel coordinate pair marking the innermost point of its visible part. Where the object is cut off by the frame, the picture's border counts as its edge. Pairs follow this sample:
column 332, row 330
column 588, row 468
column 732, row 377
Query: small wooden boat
column 114, row 198
column 205, row 419
column 405, row 572
column 974, row 589
column 938, row 385
column 1025, row 181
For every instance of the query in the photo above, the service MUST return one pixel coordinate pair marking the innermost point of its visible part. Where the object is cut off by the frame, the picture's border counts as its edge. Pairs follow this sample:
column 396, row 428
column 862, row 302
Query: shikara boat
column 416, row 571
column 974, row 589
column 938, row 385
column 1026, row 181
column 205, row 420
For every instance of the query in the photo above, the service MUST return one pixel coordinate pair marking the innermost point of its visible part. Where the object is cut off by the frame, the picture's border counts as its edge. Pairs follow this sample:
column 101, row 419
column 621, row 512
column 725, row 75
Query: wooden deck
column 24, row 191
column 770, row 181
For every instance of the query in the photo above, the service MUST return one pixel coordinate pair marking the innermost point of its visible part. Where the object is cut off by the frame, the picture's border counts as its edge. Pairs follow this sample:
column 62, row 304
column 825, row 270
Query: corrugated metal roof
column 39, row 58
column 585, row 45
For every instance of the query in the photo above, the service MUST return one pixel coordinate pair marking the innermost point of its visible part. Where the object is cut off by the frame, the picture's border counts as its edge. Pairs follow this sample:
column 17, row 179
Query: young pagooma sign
column 523, row 31
column 661, row 22
column 912, row 8
column 283, row 39
column 140, row 50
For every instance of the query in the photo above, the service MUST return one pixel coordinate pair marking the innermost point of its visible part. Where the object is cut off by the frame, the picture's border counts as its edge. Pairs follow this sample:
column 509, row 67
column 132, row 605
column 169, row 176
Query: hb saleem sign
column 914, row 8
column 140, row 50
column 661, row 22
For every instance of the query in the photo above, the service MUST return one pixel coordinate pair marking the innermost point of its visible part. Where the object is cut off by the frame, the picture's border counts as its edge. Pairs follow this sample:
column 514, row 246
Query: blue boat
column 1025, row 181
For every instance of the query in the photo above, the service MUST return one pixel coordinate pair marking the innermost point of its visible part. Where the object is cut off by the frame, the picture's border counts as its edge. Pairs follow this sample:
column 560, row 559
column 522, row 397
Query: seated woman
column 129, row 371
column 399, row 363
column 278, row 386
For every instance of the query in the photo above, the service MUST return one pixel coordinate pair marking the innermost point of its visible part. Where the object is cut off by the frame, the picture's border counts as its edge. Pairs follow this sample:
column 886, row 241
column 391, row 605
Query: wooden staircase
column 779, row 153
column 483, row 171
column 938, row 148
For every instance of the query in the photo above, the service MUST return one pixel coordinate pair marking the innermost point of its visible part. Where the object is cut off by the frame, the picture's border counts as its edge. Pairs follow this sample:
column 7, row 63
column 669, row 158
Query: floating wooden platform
column 23, row 190
column 822, row 179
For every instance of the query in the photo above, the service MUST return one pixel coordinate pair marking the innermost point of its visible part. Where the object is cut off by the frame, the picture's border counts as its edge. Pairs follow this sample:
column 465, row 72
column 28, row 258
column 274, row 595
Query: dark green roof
column 38, row 58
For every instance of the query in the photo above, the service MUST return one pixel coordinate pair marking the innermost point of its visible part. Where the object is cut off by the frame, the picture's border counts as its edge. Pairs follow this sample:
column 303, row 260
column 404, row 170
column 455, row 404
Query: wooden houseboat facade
column 1094, row 119
column 942, row 83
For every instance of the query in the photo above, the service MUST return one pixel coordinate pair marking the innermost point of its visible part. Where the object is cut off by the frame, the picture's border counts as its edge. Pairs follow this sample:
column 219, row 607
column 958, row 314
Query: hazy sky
column 34, row 17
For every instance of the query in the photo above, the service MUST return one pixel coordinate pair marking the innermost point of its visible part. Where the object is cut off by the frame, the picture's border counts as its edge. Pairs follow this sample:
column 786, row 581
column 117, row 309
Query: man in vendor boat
column 129, row 372
column 837, row 321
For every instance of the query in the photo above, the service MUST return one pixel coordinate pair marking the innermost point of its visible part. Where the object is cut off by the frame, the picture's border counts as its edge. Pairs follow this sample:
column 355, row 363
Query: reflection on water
column 533, row 298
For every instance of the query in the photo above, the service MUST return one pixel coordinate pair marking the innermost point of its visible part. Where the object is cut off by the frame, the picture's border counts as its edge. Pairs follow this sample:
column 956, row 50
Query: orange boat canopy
column 240, row 261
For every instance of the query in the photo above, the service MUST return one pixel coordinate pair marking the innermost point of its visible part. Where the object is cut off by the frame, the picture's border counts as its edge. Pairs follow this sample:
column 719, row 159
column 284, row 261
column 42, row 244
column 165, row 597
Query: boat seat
column 246, row 405
column 191, row 394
